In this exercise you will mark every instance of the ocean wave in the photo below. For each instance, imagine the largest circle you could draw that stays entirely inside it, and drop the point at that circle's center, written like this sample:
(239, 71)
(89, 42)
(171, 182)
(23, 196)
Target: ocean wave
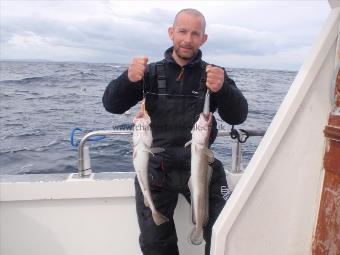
(26, 168)
(5, 95)
(29, 98)
(14, 151)
(14, 125)
(26, 80)
(47, 147)
(25, 134)
(40, 148)
(59, 78)
(87, 73)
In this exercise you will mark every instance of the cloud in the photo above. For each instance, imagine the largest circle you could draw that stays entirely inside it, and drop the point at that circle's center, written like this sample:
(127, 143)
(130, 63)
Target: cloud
(116, 31)
(245, 41)
(154, 16)
(240, 40)
(290, 59)
(108, 35)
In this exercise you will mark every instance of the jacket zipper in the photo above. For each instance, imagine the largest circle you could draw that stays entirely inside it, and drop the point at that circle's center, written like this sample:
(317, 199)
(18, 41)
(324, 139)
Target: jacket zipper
(179, 78)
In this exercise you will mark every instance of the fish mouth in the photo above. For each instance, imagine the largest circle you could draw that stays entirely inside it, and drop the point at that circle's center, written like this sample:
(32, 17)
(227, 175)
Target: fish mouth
(139, 116)
(207, 117)
(142, 114)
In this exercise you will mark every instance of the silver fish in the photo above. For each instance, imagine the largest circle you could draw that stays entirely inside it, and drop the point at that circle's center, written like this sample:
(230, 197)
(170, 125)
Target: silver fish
(142, 141)
(201, 173)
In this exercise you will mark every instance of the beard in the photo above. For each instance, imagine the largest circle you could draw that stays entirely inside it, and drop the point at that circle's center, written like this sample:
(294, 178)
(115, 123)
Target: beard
(185, 55)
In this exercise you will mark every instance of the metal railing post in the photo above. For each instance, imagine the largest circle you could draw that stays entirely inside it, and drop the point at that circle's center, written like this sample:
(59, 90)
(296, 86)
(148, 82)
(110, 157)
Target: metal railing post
(84, 159)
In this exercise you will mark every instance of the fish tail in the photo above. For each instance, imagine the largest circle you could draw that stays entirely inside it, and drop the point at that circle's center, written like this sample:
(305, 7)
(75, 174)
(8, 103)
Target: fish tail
(146, 203)
(159, 218)
(196, 236)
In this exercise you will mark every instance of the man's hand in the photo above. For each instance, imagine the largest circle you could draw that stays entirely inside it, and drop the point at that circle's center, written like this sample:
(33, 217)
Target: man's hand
(137, 68)
(215, 78)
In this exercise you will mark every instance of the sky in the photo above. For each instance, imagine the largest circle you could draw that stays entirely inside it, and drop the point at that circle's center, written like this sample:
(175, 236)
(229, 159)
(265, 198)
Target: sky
(244, 34)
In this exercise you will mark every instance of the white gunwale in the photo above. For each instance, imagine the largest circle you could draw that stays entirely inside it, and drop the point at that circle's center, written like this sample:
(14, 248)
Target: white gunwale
(276, 130)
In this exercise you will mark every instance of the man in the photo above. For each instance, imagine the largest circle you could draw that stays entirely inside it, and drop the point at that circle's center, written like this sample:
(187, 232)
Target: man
(174, 90)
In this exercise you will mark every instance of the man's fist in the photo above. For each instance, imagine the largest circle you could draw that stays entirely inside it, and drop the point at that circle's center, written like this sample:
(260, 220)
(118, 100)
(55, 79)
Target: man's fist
(137, 68)
(215, 78)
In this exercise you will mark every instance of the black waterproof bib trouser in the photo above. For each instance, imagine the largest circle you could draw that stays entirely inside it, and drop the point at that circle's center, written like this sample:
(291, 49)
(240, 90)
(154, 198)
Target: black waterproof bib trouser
(172, 118)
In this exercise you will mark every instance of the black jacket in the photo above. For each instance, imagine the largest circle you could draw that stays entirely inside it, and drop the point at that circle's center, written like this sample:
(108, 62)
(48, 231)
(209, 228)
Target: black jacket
(121, 94)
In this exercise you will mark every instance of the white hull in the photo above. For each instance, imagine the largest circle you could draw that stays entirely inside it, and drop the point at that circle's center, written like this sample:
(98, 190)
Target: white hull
(274, 207)
(72, 216)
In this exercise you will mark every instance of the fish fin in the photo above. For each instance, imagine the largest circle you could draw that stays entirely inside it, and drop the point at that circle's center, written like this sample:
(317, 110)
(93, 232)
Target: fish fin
(206, 215)
(146, 203)
(193, 216)
(196, 236)
(159, 218)
(189, 183)
(210, 155)
(134, 154)
(209, 173)
(149, 151)
(188, 143)
(155, 150)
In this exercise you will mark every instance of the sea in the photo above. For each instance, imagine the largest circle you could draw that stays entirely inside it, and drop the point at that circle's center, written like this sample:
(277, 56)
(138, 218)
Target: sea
(41, 103)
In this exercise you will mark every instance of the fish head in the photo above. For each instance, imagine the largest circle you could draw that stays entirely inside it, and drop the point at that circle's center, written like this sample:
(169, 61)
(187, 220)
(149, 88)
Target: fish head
(201, 130)
(142, 130)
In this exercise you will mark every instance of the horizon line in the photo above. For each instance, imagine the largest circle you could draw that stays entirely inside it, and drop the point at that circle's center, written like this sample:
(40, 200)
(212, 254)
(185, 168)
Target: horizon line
(94, 62)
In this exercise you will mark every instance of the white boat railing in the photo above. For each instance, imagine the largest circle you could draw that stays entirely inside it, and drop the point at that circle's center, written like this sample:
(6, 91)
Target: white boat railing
(84, 158)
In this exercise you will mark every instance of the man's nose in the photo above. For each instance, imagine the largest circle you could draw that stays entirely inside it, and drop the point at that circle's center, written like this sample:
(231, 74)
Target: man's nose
(188, 38)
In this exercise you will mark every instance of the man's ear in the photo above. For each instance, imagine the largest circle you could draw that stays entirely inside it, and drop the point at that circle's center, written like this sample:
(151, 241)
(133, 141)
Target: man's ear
(205, 38)
(171, 33)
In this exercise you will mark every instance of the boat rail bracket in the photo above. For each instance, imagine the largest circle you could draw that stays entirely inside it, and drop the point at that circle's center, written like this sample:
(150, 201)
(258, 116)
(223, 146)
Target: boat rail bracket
(84, 159)
(241, 136)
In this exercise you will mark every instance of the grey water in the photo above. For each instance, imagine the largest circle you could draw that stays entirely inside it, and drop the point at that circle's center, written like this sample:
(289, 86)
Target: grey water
(41, 102)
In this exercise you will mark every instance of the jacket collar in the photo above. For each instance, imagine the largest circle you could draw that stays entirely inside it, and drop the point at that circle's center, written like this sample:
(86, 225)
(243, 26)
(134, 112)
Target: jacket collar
(194, 61)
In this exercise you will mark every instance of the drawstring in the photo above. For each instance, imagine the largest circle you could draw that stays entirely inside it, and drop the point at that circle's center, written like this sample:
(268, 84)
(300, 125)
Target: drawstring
(179, 77)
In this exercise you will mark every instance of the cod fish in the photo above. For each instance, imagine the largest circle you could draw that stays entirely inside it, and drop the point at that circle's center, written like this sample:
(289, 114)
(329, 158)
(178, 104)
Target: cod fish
(142, 140)
(201, 172)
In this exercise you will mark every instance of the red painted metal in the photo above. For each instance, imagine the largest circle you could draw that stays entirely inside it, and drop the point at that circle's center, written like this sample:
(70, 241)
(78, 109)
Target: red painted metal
(327, 235)
(327, 239)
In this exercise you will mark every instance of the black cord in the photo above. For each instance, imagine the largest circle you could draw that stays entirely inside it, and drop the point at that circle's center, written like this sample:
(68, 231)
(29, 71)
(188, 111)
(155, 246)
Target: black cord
(234, 134)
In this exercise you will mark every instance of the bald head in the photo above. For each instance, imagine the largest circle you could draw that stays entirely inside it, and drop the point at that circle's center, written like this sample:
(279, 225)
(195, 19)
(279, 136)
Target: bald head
(188, 35)
(192, 12)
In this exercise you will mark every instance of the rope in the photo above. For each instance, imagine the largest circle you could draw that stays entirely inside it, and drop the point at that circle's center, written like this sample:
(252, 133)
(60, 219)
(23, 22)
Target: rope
(75, 143)
(241, 138)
